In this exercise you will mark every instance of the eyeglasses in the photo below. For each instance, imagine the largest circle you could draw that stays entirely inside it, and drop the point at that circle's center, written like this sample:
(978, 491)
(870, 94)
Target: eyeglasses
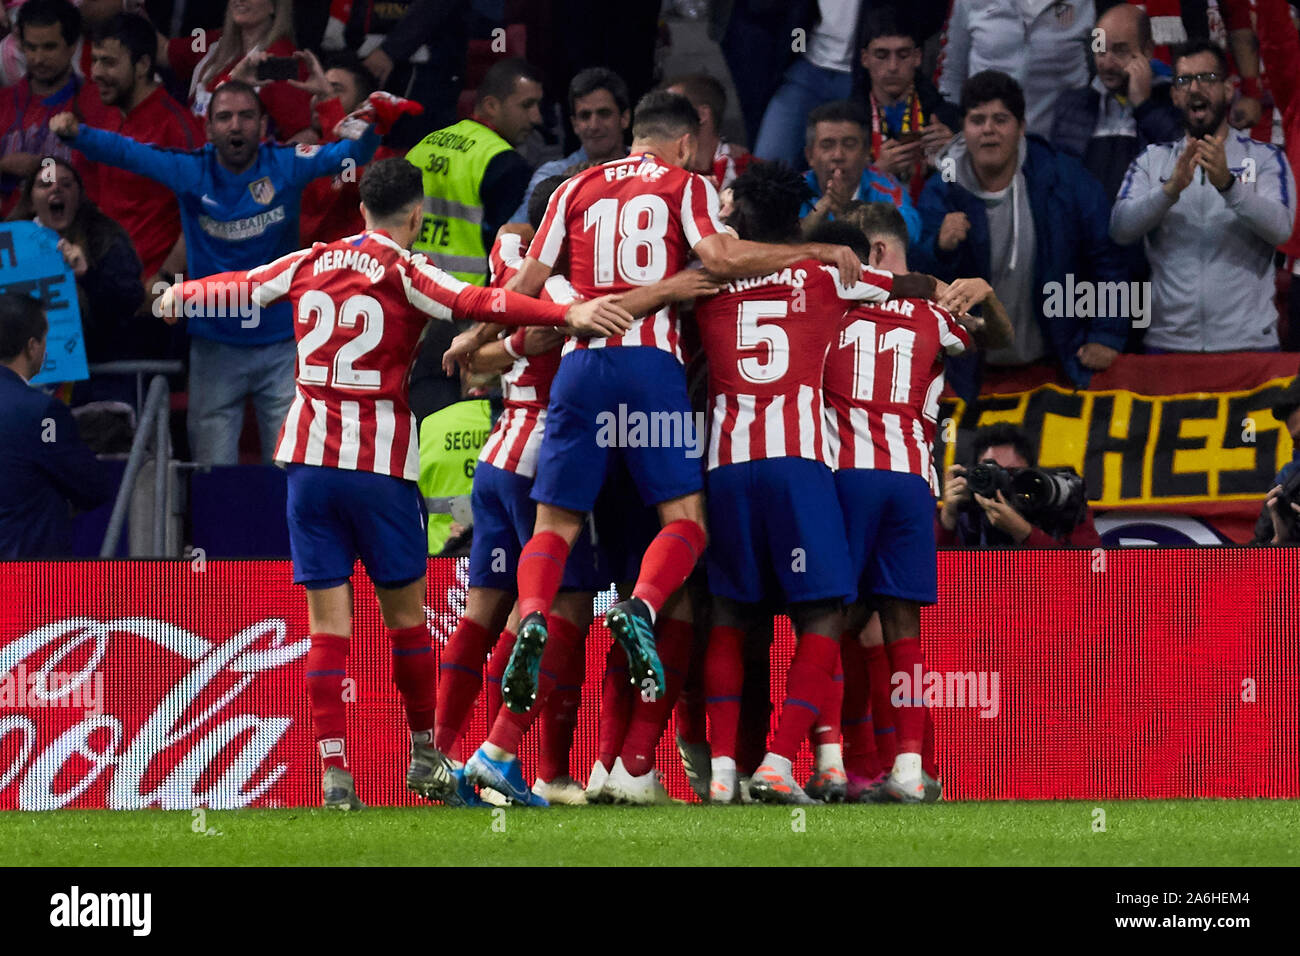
(1205, 79)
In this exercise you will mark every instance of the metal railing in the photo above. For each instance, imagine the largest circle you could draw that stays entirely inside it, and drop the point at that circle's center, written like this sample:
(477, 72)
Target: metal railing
(154, 427)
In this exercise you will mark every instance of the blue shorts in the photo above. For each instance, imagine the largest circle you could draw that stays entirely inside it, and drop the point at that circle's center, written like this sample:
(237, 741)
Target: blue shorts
(336, 516)
(775, 531)
(611, 404)
(889, 516)
(503, 522)
(624, 526)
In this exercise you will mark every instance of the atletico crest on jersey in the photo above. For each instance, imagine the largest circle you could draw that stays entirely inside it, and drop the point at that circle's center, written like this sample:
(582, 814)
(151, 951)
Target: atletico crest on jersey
(262, 190)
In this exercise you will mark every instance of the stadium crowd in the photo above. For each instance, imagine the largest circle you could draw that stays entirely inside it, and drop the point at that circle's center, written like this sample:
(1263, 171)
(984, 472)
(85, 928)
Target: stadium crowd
(974, 156)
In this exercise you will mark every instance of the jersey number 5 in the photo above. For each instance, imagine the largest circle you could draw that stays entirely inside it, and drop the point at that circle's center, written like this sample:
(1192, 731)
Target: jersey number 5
(751, 335)
(315, 308)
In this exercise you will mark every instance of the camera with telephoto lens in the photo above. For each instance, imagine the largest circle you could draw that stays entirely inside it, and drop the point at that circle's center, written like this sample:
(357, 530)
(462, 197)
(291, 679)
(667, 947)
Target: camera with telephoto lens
(1054, 500)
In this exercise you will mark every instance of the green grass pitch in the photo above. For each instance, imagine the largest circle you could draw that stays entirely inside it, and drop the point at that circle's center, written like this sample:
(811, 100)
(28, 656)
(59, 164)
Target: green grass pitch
(1138, 833)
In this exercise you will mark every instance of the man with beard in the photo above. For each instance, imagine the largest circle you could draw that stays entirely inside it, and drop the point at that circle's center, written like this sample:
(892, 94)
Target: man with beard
(239, 199)
(124, 98)
(48, 31)
(1212, 208)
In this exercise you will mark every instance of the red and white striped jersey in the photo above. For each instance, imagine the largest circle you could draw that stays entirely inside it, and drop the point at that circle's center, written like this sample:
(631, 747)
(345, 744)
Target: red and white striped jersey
(628, 223)
(360, 306)
(766, 340)
(882, 383)
(526, 385)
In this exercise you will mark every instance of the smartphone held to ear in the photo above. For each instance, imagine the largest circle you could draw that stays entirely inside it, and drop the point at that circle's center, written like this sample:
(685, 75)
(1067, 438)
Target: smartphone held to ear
(278, 68)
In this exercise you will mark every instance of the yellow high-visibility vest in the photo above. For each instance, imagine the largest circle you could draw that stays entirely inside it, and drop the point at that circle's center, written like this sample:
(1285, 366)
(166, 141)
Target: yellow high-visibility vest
(453, 161)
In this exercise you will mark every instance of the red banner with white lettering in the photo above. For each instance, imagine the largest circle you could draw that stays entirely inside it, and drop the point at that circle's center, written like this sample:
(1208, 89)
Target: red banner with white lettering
(1052, 675)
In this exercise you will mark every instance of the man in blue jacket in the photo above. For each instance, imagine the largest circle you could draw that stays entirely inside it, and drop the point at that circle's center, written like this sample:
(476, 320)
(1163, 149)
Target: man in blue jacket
(839, 154)
(239, 200)
(1034, 223)
(44, 466)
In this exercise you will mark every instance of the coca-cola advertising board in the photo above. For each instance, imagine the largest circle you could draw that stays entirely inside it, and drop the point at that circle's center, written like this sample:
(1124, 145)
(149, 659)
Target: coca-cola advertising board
(174, 685)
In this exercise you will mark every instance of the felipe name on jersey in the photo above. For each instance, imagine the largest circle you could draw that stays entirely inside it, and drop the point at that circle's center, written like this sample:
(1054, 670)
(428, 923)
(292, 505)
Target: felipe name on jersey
(647, 170)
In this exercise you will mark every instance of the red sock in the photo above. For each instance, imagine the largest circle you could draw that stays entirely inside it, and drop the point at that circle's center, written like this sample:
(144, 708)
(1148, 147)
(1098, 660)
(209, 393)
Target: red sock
(905, 657)
(724, 678)
(560, 713)
(541, 568)
(691, 712)
(415, 675)
(562, 641)
(806, 687)
(327, 660)
(496, 669)
(615, 706)
(460, 677)
(929, 759)
(826, 728)
(673, 640)
(860, 757)
(755, 700)
(882, 711)
(668, 561)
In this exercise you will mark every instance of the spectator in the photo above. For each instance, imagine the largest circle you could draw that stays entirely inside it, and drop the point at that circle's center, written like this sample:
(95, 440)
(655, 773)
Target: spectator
(49, 31)
(1039, 43)
(250, 26)
(1280, 49)
(1174, 22)
(331, 206)
(824, 72)
(716, 160)
(13, 61)
(239, 200)
(600, 113)
(1212, 208)
(838, 153)
(473, 178)
(1273, 526)
(107, 271)
(124, 98)
(44, 466)
(970, 521)
(414, 48)
(910, 121)
(1022, 216)
(1126, 108)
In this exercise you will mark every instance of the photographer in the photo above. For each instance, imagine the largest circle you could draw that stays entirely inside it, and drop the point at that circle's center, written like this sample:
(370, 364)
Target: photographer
(973, 520)
(1273, 526)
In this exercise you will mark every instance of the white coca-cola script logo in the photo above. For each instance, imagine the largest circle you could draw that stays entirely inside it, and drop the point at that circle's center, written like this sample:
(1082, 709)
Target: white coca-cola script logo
(127, 762)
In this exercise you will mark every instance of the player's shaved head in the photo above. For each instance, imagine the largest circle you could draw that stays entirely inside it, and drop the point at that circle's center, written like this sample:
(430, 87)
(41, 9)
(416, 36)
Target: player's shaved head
(879, 220)
(767, 198)
(840, 233)
(390, 187)
(662, 116)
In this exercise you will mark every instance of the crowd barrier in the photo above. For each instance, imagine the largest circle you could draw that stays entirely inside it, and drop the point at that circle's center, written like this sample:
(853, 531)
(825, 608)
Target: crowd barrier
(1053, 675)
